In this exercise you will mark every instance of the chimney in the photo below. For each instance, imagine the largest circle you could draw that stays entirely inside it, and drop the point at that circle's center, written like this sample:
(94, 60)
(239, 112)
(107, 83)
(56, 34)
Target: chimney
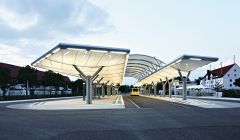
(234, 59)
(221, 68)
(208, 74)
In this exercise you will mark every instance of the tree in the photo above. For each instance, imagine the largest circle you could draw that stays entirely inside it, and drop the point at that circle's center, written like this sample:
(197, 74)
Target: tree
(4, 80)
(53, 80)
(49, 80)
(124, 89)
(197, 81)
(218, 86)
(59, 81)
(77, 86)
(28, 75)
(237, 82)
(180, 79)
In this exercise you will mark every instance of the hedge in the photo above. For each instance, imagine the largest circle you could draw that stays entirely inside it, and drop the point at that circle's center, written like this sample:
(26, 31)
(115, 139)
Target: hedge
(231, 93)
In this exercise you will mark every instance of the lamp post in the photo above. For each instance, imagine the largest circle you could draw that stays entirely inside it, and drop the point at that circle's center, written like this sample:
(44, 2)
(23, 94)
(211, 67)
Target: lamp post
(84, 92)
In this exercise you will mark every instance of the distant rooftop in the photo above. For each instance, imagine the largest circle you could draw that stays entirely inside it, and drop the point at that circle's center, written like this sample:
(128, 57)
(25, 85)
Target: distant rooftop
(14, 70)
(220, 72)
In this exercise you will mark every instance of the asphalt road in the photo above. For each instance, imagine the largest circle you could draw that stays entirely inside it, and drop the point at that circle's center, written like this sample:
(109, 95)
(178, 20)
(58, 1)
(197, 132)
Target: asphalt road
(144, 119)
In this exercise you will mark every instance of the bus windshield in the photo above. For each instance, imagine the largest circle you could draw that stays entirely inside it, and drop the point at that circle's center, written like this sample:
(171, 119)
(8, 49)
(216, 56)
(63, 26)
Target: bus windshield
(135, 89)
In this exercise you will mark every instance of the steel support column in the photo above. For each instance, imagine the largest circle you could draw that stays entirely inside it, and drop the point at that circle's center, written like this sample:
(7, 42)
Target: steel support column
(103, 90)
(98, 88)
(108, 90)
(149, 89)
(154, 88)
(184, 80)
(89, 89)
(89, 82)
(164, 87)
(94, 90)
(111, 89)
(145, 90)
(169, 88)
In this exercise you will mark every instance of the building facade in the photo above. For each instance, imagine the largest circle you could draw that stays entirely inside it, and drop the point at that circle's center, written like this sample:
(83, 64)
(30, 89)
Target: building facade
(223, 77)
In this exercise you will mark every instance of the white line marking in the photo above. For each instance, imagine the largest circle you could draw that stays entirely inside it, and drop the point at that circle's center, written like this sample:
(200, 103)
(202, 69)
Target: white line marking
(123, 103)
(176, 104)
(29, 100)
(169, 102)
(118, 98)
(134, 103)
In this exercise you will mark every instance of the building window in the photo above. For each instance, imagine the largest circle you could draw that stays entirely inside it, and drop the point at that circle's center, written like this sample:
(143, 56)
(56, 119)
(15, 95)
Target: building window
(230, 85)
(235, 70)
(235, 75)
(230, 80)
(228, 75)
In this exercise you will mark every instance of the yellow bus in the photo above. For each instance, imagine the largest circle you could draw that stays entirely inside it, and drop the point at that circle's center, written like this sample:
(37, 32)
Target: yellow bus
(135, 92)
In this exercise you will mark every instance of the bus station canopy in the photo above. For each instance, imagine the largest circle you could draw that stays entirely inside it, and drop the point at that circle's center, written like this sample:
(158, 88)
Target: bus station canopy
(68, 59)
(140, 66)
(182, 65)
(110, 65)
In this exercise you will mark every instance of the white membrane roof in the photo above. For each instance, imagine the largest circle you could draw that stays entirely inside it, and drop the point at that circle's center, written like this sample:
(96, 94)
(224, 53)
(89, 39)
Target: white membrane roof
(140, 66)
(88, 59)
(185, 64)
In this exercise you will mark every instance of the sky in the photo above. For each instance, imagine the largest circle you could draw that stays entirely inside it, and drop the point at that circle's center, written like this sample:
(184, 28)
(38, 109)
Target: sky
(165, 29)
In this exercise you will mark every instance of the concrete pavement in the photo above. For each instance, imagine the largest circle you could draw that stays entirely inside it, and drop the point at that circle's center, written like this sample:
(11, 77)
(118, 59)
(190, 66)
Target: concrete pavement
(199, 103)
(154, 120)
(111, 102)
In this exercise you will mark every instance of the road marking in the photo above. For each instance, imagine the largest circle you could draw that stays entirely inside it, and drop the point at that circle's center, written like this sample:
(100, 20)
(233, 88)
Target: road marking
(134, 103)
(29, 100)
(168, 102)
(116, 102)
(171, 103)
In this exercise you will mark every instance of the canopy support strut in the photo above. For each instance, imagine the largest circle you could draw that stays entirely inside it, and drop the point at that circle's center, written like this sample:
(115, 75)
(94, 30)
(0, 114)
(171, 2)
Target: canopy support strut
(184, 80)
(89, 80)
(97, 89)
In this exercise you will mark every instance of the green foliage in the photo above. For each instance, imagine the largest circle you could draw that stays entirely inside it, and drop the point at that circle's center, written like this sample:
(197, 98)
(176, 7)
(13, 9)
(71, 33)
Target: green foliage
(237, 82)
(218, 86)
(180, 79)
(4, 76)
(50, 78)
(4, 79)
(197, 81)
(53, 79)
(29, 74)
(124, 89)
(77, 86)
(231, 93)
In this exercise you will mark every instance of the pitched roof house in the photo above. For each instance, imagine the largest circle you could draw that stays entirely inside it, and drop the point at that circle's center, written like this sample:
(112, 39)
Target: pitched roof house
(224, 76)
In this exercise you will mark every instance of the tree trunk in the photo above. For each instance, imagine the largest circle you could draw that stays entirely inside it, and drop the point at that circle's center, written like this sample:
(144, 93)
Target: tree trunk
(3, 93)
(44, 91)
(50, 91)
(77, 91)
(56, 91)
(27, 89)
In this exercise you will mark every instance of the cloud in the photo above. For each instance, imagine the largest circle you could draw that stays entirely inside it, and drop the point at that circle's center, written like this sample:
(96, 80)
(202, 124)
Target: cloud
(13, 55)
(15, 21)
(28, 25)
(43, 19)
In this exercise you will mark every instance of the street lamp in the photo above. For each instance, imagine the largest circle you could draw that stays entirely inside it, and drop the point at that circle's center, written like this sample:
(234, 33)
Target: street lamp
(84, 92)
